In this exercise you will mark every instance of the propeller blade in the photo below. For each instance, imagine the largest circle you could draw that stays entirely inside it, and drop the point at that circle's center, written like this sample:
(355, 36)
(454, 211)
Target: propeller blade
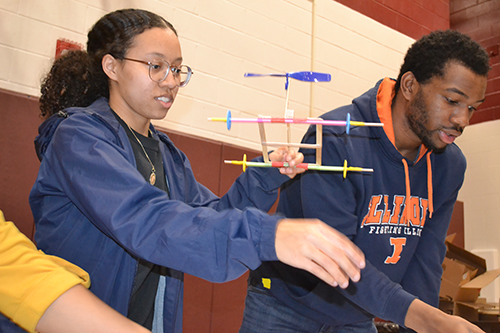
(301, 76)
(254, 74)
(310, 76)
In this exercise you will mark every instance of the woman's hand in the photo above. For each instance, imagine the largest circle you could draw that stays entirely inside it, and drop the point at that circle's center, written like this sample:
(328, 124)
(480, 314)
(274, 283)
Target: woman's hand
(289, 156)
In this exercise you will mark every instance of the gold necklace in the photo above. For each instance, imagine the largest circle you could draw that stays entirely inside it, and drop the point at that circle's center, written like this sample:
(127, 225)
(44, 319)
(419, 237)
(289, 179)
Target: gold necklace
(152, 176)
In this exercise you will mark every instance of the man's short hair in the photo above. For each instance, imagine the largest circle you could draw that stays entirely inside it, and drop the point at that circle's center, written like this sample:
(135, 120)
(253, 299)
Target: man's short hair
(428, 56)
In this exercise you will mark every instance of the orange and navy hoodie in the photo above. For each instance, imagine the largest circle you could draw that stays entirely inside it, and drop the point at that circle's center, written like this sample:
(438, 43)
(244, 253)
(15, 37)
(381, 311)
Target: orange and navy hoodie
(398, 215)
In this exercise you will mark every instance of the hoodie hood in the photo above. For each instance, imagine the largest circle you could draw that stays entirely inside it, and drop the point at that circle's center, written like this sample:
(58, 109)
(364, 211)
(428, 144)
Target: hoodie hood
(385, 95)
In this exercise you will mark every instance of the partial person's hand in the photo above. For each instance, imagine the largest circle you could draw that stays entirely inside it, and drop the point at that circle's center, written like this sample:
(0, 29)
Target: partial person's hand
(424, 318)
(289, 156)
(312, 245)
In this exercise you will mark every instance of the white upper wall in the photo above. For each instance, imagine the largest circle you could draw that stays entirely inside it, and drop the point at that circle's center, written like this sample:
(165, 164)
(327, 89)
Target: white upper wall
(480, 193)
(221, 40)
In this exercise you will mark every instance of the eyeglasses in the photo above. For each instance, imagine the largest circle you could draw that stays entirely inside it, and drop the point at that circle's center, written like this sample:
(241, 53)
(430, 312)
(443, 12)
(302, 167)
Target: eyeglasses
(159, 69)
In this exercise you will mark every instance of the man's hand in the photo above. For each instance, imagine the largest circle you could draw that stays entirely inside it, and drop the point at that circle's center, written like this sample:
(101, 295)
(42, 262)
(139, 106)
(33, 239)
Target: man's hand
(312, 245)
(423, 318)
(289, 156)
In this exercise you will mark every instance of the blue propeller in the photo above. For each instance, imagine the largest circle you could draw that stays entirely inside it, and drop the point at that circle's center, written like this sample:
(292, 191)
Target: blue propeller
(301, 76)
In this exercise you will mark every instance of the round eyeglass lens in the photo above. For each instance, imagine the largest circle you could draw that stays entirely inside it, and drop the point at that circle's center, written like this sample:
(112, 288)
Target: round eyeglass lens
(158, 70)
(184, 73)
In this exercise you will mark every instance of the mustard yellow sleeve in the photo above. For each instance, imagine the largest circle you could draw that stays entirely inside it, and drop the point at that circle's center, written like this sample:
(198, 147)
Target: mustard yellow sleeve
(30, 280)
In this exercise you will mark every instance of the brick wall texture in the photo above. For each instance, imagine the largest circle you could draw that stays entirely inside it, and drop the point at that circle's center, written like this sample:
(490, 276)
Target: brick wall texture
(414, 18)
(481, 20)
(477, 18)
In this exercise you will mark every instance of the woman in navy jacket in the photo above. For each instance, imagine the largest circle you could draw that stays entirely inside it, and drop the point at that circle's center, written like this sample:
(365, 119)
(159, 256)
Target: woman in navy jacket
(116, 197)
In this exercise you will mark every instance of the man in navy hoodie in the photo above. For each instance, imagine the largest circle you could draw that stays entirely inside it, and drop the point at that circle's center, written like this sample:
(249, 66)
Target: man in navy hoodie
(399, 215)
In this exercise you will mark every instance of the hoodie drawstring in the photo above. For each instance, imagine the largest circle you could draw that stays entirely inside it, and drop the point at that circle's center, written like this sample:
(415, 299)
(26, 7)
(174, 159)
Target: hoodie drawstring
(408, 189)
(429, 186)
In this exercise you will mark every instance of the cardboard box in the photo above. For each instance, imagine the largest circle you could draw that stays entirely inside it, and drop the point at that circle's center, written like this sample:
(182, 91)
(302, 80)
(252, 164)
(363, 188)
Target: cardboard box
(454, 273)
(464, 275)
(470, 290)
(491, 314)
(460, 267)
(477, 311)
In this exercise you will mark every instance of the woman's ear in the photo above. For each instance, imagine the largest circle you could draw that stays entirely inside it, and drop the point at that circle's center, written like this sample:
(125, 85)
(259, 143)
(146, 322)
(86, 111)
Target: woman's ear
(409, 85)
(109, 66)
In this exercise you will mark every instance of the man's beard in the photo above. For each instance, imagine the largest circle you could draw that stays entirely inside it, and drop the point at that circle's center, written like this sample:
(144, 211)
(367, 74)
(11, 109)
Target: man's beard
(418, 118)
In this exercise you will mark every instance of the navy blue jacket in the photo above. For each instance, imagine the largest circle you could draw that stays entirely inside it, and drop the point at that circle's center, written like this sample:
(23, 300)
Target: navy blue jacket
(93, 208)
(404, 252)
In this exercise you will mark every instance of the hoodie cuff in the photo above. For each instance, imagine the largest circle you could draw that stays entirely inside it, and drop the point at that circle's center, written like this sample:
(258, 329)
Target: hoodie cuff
(397, 306)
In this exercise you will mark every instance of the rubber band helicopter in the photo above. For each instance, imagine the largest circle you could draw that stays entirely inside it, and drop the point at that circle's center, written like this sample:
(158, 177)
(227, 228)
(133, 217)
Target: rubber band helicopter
(288, 119)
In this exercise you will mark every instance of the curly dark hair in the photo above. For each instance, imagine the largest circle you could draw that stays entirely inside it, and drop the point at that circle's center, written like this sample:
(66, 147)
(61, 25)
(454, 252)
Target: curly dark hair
(428, 56)
(72, 81)
(77, 78)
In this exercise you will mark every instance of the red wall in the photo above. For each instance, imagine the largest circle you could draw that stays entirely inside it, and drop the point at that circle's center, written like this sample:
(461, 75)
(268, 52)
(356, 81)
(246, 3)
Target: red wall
(19, 120)
(480, 19)
(414, 18)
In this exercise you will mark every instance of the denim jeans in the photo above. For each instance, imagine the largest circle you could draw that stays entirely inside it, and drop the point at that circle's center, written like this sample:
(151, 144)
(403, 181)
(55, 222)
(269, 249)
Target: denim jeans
(265, 314)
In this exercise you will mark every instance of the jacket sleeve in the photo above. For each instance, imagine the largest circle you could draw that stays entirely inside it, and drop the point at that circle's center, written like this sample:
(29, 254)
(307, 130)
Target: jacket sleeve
(256, 187)
(31, 281)
(95, 171)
